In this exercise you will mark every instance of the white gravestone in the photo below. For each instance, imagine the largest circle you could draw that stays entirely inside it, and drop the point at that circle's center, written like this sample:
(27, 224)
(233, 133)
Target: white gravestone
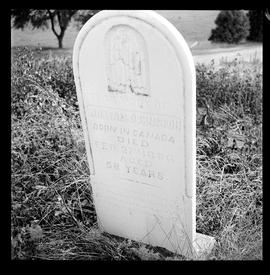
(135, 81)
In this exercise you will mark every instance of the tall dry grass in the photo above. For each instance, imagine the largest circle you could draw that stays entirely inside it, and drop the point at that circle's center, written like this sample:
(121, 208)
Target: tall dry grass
(53, 216)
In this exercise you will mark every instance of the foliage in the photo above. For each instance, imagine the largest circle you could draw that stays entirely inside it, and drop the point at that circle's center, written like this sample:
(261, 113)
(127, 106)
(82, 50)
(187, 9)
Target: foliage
(39, 19)
(229, 160)
(234, 85)
(49, 71)
(232, 27)
(49, 167)
(229, 185)
(256, 25)
(53, 215)
(83, 16)
(24, 243)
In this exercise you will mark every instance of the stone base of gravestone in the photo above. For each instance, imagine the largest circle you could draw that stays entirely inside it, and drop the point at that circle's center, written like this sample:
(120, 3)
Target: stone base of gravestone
(203, 245)
(127, 213)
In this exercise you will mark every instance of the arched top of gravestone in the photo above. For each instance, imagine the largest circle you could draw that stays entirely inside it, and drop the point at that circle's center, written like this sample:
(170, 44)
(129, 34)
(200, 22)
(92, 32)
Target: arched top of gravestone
(150, 17)
(140, 60)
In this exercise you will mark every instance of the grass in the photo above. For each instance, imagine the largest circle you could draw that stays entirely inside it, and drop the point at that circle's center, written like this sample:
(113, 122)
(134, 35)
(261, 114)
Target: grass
(186, 21)
(230, 197)
(53, 216)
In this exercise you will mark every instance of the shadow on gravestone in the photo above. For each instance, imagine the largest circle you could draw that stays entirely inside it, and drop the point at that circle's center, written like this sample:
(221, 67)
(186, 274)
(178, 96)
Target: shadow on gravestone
(136, 87)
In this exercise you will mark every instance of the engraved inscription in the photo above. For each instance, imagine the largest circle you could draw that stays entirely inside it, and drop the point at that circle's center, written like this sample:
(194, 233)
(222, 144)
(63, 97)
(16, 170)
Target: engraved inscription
(126, 61)
(140, 119)
(132, 144)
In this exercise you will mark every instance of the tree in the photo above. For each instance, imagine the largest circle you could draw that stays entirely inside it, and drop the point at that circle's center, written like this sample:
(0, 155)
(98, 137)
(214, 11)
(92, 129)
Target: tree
(83, 16)
(256, 25)
(232, 27)
(58, 19)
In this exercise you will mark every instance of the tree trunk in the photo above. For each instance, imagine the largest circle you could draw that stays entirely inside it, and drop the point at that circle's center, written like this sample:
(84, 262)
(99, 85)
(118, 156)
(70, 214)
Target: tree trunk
(62, 28)
(60, 41)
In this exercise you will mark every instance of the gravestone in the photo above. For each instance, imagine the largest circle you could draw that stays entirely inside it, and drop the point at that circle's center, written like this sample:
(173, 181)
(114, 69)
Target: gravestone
(135, 81)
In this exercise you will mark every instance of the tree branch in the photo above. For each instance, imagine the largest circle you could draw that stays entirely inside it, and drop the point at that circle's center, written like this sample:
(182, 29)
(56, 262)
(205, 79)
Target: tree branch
(51, 15)
(60, 20)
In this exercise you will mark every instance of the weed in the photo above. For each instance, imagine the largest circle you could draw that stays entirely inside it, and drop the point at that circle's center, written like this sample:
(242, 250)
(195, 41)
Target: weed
(53, 215)
(235, 86)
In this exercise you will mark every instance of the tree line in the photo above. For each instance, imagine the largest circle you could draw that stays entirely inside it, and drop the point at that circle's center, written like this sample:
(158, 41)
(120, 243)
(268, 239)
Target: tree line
(233, 26)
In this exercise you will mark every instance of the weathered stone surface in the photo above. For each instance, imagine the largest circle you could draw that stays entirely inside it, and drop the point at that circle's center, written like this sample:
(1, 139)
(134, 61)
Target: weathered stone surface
(135, 81)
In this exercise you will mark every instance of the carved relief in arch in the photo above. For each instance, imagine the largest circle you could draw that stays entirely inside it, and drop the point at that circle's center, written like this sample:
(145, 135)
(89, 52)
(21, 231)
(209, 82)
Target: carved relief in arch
(127, 64)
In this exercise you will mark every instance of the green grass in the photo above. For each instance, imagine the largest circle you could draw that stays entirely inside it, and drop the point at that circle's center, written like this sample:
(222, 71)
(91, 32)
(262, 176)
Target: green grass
(53, 216)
